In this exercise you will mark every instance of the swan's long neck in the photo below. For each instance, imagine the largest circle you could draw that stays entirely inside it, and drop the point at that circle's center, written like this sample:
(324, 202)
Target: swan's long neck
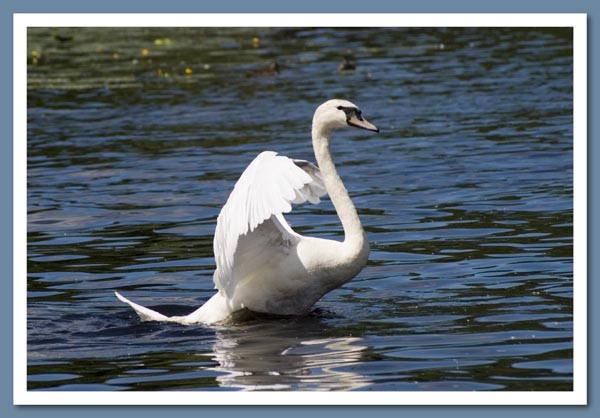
(354, 235)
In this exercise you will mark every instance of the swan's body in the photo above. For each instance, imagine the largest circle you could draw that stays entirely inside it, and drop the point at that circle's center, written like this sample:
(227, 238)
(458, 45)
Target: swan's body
(262, 264)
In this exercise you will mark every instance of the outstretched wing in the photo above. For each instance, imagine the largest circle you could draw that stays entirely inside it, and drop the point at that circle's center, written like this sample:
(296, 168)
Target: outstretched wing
(254, 211)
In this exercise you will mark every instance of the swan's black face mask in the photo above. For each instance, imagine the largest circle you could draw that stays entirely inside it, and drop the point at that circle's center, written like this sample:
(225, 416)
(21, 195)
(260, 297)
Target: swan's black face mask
(354, 118)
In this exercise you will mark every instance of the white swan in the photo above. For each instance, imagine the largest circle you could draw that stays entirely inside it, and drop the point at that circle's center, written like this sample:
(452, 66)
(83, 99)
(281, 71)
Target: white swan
(262, 264)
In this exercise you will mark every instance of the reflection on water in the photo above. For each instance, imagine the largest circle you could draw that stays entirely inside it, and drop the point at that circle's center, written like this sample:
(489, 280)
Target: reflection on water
(134, 143)
(275, 358)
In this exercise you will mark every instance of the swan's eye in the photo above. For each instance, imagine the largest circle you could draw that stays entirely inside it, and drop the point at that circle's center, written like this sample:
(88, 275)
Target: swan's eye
(351, 112)
(348, 110)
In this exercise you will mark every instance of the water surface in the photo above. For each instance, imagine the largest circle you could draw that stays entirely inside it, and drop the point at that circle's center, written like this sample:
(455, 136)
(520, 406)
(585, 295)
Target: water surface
(136, 137)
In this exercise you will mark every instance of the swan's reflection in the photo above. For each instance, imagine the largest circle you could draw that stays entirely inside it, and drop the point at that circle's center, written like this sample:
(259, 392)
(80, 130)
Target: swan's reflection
(286, 354)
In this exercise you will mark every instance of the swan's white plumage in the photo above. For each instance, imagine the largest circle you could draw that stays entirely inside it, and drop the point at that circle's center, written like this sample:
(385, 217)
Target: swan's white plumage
(262, 264)
(264, 192)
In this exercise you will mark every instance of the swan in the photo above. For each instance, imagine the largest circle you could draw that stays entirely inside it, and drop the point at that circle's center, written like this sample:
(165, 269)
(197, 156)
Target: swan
(262, 264)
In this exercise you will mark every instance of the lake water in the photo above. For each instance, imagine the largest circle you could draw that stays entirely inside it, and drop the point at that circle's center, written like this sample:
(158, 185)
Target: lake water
(137, 136)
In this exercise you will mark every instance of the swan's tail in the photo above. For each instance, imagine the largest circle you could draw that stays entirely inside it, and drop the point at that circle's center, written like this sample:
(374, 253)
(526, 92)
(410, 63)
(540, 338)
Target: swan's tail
(214, 310)
(144, 313)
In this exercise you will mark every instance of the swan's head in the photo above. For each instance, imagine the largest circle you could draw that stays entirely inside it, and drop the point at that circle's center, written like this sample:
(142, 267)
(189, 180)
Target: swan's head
(338, 113)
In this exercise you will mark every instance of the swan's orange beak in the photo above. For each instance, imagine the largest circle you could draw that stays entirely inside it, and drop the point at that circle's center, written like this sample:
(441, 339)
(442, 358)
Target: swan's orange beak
(359, 122)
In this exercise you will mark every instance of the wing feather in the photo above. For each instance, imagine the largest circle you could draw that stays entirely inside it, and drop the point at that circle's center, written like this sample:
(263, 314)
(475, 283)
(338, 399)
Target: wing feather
(265, 190)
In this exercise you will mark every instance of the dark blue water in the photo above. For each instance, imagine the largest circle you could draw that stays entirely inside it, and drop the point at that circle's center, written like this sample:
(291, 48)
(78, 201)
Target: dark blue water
(134, 143)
